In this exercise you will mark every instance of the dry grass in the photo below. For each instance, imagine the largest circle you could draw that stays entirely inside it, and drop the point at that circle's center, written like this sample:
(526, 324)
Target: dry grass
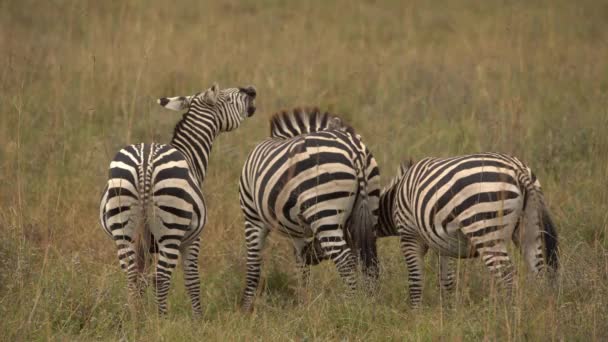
(78, 81)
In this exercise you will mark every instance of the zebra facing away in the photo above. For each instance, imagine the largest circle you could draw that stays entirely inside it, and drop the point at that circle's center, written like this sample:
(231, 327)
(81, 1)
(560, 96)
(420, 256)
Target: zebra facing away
(468, 206)
(312, 180)
(152, 202)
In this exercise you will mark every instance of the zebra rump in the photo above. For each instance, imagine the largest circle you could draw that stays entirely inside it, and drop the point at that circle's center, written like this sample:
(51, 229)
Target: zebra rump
(314, 181)
(360, 238)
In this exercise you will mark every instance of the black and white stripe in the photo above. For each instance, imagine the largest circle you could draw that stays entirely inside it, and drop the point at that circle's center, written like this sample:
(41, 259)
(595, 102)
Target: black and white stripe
(152, 203)
(468, 206)
(312, 180)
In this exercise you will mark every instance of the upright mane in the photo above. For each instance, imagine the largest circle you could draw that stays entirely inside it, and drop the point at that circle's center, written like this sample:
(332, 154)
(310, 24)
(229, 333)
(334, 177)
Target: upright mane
(290, 123)
(403, 167)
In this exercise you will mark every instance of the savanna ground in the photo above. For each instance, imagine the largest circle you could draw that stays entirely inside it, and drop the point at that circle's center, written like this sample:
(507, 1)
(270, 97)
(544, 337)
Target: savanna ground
(79, 80)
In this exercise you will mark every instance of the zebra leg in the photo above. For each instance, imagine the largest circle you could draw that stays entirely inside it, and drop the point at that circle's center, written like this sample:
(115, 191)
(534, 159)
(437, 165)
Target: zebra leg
(302, 267)
(303, 270)
(127, 259)
(334, 247)
(496, 258)
(167, 259)
(191, 276)
(446, 270)
(255, 236)
(413, 251)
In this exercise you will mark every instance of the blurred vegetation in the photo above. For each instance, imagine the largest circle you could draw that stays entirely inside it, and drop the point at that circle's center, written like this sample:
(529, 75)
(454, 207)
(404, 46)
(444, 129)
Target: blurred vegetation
(79, 79)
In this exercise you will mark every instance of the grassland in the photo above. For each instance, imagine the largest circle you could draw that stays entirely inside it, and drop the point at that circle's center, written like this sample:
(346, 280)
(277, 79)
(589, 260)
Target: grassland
(78, 80)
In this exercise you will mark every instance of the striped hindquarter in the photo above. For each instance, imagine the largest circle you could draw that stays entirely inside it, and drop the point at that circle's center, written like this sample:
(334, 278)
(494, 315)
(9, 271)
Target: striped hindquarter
(468, 206)
(309, 187)
(152, 205)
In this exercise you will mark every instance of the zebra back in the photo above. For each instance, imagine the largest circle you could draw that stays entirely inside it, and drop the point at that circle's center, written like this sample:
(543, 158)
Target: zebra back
(291, 123)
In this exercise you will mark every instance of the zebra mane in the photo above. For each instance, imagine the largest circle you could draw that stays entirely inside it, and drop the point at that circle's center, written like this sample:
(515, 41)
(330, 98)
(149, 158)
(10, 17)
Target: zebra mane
(290, 123)
(396, 178)
(403, 167)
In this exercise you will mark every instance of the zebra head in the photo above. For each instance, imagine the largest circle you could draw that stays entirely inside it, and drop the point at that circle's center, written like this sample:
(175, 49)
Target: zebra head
(228, 107)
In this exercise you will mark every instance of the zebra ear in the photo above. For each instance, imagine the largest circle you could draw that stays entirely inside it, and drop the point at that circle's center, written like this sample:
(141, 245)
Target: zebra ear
(335, 123)
(212, 94)
(404, 166)
(175, 103)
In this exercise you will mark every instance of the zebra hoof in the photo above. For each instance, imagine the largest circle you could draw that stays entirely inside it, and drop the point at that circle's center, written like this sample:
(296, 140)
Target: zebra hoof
(416, 306)
(246, 306)
(247, 310)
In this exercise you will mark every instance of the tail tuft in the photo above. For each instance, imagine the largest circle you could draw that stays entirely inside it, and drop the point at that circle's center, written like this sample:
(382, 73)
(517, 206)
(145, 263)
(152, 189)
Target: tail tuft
(363, 237)
(539, 233)
(141, 244)
(549, 235)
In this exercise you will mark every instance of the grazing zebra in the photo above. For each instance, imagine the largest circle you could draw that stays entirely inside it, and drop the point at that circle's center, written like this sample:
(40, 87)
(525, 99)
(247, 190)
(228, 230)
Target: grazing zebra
(313, 179)
(153, 203)
(468, 206)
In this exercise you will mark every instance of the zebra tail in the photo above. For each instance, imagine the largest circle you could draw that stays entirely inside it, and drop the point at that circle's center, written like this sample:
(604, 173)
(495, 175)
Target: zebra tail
(361, 229)
(538, 221)
(141, 241)
(143, 237)
(550, 240)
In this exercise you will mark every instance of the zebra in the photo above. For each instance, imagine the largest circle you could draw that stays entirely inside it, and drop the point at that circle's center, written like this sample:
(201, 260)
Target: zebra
(313, 179)
(468, 206)
(152, 202)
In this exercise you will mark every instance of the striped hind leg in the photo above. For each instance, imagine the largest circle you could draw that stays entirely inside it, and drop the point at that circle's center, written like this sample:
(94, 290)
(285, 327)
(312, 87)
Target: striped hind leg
(119, 220)
(414, 250)
(446, 271)
(495, 256)
(333, 244)
(301, 252)
(303, 270)
(255, 237)
(168, 254)
(191, 275)
(127, 257)
(122, 226)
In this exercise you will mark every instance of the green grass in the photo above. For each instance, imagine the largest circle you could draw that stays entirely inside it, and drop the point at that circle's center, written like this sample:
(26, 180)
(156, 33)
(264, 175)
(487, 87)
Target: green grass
(79, 79)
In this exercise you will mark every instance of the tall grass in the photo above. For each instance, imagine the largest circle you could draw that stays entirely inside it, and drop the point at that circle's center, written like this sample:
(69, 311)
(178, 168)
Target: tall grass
(78, 80)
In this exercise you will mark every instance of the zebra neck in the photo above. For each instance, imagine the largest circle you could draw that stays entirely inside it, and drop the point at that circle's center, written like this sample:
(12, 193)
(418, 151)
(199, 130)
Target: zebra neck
(193, 137)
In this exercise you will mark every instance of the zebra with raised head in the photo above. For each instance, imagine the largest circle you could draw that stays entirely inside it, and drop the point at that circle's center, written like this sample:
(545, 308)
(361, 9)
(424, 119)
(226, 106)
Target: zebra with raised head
(312, 180)
(152, 202)
(468, 206)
